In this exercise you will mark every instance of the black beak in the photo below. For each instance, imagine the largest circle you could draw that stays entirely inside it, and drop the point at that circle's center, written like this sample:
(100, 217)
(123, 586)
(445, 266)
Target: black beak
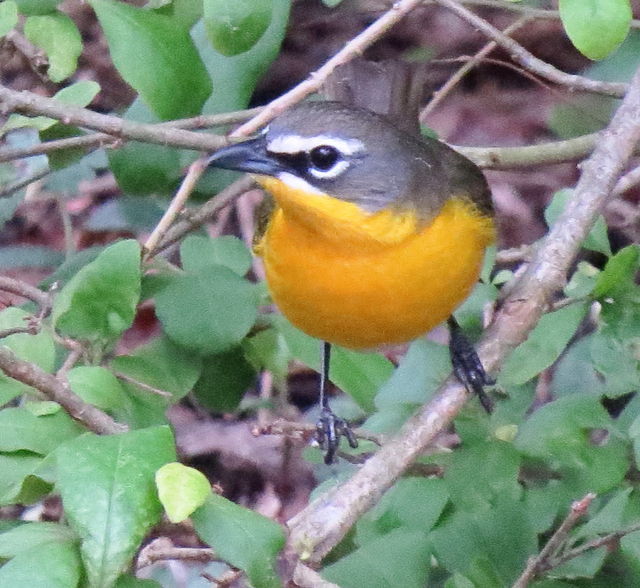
(249, 156)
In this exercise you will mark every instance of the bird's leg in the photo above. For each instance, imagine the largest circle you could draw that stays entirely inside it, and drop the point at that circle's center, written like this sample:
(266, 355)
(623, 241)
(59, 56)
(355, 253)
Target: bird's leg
(467, 365)
(330, 428)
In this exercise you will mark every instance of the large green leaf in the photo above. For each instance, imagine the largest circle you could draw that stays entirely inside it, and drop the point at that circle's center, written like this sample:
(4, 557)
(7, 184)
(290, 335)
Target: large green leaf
(53, 565)
(596, 27)
(559, 434)
(156, 56)
(99, 302)
(98, 386)
(235, 27)
(198, 252)
(29, 535)
(399, 558)
(544, 345)
(107, 485)
(224, 380)
(20, 429)
(209, 312)
(242, 537)
(60, 39)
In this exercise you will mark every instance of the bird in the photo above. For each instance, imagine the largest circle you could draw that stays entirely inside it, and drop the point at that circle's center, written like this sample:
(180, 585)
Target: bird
(374, 236)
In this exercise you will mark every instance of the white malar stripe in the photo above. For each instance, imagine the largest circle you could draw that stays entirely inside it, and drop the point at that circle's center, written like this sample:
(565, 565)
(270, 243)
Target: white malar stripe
(298, 144)
(298, 183)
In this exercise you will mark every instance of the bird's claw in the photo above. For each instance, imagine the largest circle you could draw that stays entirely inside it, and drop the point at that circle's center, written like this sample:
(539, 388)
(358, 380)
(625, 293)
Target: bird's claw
(469, 369)
(329, 430)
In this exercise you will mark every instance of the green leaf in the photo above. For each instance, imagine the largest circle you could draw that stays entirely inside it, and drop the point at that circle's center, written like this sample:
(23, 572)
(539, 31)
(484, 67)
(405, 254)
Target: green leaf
(235, 27)
(558, 433)
(544, 345)
(60, 39)
(29, 7)
(224, 380)
(109, 497)
(209, 312)
(411, 504)
(29, 535)
(38, 349)
(156, 57)
(399, 558)
(99, 302)
(423, 368)
(161, 364)
(235, 77)
(358, 374)
(181, 490)
(619, 273)
(596, 27)
(244, 538)
(8, 16)
(490, 546)
(18, 482)
(597, 239)
(143, 168)
(20, 429)
(197, 253)
(497, 477)
(98, 386)
(54, 565)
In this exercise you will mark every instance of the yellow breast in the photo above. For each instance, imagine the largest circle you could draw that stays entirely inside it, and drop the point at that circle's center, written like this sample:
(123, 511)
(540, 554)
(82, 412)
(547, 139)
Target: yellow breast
(363, 280)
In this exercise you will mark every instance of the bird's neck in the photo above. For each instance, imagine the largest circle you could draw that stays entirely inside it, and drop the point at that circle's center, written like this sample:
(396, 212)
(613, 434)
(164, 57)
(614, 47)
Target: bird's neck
(339, 220)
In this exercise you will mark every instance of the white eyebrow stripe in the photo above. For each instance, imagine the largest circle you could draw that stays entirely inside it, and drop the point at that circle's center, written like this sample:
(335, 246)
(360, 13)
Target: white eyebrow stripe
(298, 144)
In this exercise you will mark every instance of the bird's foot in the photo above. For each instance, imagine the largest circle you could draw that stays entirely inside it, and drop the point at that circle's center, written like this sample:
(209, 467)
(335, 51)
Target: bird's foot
(467, 366)
(329, 430)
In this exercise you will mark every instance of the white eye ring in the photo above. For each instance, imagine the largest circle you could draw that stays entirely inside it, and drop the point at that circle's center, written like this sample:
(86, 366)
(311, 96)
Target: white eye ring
(339, 167)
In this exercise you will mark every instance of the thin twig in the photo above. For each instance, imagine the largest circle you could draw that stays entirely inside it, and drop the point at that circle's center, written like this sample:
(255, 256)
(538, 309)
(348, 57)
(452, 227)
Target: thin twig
(162, 549)
(529, 61)
(163, 134)
(608, 539)
(314, 82)
(178, 202)
(578, 509)
(96, 140)
(19, 288)
(324, 522)
(201, 215)
(54, 389)
(142, 385)
(440, 94)
(9, 189)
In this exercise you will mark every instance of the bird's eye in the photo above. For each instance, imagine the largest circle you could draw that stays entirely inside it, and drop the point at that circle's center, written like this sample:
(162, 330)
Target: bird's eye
(324, 157)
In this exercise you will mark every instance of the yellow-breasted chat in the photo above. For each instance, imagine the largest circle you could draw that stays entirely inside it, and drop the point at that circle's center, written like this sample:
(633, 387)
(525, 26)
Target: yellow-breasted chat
(376, 235)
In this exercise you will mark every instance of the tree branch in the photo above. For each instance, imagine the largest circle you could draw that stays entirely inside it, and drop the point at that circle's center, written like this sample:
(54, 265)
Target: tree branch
(529, 61)
(28, 373)
(324, 522)
(578, 509)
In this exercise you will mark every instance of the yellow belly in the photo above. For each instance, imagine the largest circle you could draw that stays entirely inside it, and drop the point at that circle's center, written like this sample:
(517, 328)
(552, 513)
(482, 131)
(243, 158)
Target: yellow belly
(363, 290)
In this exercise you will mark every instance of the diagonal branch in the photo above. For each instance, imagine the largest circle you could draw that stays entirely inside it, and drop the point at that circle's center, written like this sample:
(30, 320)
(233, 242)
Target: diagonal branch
(54, 389)
(530, 61)
(320, 526)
